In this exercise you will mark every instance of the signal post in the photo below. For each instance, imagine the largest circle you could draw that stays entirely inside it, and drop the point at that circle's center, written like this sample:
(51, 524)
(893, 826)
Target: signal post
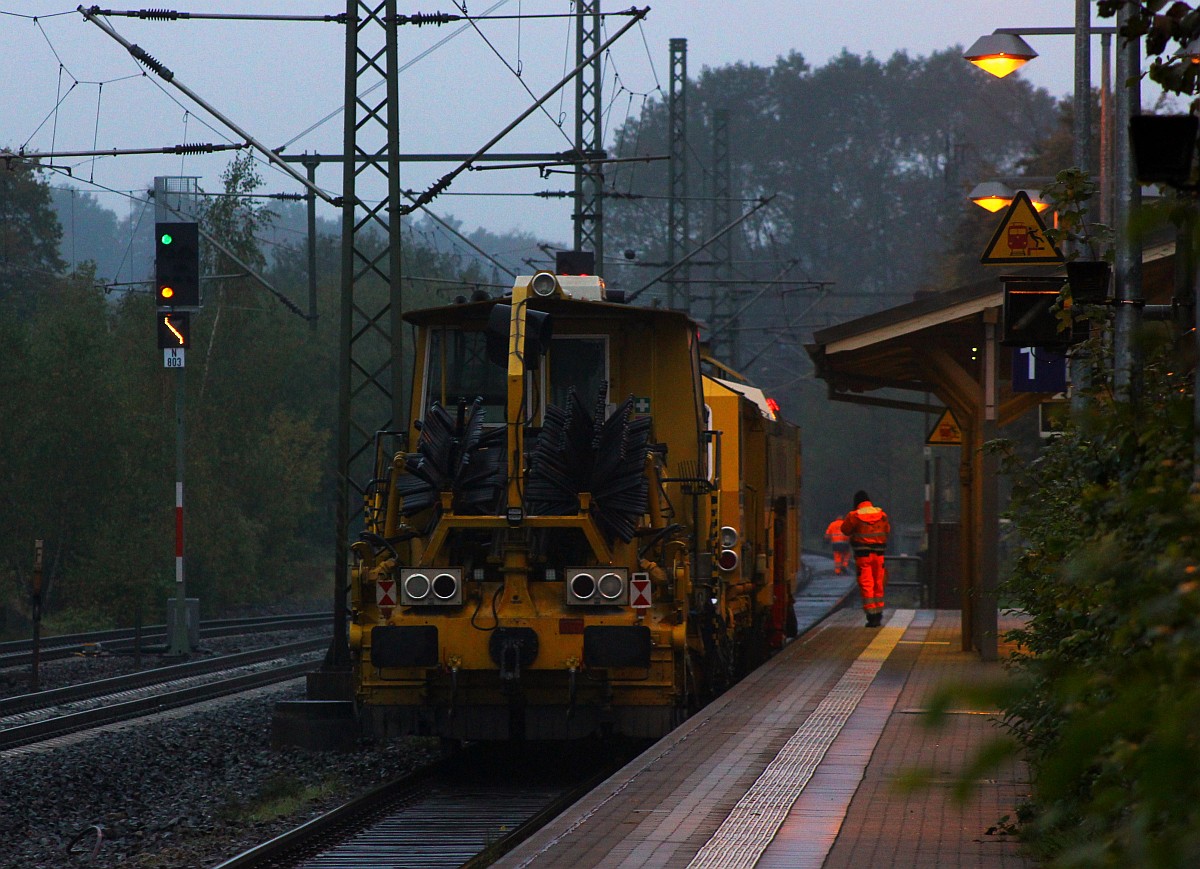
(177, 294)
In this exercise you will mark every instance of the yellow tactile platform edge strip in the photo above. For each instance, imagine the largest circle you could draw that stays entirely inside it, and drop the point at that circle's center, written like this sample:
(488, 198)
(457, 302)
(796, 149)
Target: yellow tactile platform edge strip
(743, 837)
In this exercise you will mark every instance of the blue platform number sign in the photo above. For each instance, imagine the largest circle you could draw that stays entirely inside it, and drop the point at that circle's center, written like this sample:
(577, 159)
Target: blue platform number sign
(1038, 369)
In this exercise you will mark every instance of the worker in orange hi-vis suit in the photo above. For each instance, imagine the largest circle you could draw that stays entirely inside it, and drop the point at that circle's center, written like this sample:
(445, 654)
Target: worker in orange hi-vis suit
(868, 529)
(840, 543)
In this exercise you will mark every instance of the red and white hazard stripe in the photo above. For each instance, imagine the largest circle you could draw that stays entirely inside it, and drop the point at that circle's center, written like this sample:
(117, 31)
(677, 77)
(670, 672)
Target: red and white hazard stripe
(179, 532)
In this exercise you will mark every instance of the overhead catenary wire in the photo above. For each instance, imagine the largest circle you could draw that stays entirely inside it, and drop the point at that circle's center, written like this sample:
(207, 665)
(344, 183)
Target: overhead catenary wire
(163, 72)
(341, 109)
(172, 15)
(182, 149)
(763, 202)
(445, 181)
(466, 240)
(609, 65)
(167, 15)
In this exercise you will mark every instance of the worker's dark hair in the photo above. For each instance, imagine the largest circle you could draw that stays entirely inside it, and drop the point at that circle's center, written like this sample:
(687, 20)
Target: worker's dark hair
(859, 497)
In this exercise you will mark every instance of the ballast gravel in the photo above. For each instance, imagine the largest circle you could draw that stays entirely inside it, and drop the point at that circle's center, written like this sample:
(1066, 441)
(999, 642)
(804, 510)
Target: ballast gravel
(179, 792)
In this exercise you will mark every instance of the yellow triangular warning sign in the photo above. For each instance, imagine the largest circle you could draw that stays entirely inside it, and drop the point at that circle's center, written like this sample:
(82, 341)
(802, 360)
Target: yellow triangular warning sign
(1020, 238)
(946, 432)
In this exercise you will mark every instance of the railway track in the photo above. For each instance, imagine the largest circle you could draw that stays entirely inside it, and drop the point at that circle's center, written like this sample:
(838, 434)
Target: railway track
(466, 810)
(43, 715)
(19, 653)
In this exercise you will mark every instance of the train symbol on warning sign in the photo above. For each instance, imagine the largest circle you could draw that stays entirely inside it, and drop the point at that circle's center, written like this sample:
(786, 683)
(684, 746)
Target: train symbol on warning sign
(1021, 237)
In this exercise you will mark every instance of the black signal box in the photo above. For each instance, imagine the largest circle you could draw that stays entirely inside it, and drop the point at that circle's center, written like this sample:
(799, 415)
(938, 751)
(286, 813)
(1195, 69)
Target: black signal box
(574, 262)
(177, 265)
(174, 330)
(1029, 320)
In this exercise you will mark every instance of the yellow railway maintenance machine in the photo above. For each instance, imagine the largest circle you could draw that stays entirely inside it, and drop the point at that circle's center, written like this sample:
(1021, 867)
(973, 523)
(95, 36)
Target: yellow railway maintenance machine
(583, 534)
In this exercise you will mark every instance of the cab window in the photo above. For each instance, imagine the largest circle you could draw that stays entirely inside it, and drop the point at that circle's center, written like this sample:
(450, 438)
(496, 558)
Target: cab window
(579, 361)
(458, 368)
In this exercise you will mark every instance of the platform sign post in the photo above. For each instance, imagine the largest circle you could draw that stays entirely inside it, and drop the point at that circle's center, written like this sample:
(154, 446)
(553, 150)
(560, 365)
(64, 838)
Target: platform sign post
(180, 640)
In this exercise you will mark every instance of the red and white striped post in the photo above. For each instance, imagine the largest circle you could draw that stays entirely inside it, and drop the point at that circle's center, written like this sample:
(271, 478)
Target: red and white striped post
(180, 641)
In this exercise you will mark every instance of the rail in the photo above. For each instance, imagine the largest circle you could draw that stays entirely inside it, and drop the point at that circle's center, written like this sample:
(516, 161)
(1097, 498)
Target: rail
(18, 653)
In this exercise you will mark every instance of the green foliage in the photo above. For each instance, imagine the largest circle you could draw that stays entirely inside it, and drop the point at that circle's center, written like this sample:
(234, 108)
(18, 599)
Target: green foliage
(1168, 27)
(1110, 657)
(280, 796)
(88, 430)
(1070, 194)
(29, 236)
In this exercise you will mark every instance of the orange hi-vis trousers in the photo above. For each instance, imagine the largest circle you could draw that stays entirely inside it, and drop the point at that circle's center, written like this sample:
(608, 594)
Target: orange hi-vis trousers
(871, 579)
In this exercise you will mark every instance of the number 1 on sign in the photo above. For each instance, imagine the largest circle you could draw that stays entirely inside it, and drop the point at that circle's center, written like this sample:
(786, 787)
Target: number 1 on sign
(1032, 359)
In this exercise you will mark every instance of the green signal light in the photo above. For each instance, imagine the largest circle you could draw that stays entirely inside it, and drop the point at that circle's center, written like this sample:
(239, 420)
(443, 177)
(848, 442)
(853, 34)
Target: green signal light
(166, 238)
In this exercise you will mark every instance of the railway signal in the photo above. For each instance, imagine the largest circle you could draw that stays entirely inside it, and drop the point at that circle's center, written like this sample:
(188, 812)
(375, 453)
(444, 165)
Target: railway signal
(574, 262)
(174, 330)
(177, 265)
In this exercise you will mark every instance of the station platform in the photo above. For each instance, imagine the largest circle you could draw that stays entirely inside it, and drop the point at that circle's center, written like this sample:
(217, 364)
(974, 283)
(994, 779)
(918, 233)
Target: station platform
(801, 763)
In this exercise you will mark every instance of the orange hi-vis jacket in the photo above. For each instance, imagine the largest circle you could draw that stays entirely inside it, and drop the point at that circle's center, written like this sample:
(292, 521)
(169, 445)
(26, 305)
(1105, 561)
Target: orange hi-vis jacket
(834, 532)
(867, 527)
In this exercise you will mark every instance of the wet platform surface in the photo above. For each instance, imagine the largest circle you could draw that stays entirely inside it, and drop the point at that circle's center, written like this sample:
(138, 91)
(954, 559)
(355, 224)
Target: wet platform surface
(801, 763)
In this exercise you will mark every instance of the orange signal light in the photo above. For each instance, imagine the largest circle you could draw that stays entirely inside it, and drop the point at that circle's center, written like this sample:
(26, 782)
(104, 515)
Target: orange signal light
(166, 292)
(171, 326)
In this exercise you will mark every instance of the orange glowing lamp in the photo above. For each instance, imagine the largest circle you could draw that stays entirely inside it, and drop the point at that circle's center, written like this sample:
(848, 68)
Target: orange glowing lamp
(992, 195)
(1000, 53)
(1036, 201)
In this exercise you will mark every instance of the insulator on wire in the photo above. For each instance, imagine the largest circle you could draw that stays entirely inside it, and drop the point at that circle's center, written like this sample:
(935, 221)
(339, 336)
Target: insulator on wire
(423, 18)
(161, 15)
(143, 56)
(193, 148)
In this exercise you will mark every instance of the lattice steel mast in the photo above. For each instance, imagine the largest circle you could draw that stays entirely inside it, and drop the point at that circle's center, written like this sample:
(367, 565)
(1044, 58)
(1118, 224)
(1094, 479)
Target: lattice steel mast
(370, 381)
(721, 306)
(678, 292)
(589, 137)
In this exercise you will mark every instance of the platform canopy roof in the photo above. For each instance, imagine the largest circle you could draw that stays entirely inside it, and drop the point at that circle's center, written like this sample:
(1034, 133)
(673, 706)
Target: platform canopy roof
(907, 347)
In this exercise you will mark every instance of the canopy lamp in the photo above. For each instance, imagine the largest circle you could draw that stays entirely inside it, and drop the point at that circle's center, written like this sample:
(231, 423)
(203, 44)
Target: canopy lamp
(991, 195)
(1000, 53)
(1190, 52)
(1035, 199)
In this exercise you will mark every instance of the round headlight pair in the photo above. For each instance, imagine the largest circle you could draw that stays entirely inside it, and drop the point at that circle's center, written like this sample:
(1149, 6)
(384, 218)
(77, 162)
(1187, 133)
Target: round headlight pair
(418, 586)
(727, 558)
(609, 586)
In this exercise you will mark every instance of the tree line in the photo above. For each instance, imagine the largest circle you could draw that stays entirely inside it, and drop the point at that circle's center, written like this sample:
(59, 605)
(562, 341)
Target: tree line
(89, 434)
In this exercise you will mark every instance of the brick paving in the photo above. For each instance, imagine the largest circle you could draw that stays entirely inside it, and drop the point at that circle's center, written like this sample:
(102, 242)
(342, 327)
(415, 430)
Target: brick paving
(887, 825)
(663, 807)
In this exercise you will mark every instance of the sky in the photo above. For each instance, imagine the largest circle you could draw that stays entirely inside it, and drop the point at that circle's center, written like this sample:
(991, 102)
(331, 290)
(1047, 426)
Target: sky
(66, 85)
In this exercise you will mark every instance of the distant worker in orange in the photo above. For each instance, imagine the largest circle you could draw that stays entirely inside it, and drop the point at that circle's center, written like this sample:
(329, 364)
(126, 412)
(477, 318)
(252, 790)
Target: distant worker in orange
(868, 528)
(840, 543)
